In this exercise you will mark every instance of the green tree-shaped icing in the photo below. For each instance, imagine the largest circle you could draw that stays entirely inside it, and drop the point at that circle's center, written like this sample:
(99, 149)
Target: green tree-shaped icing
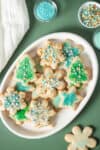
(78, 74)
(25, 71)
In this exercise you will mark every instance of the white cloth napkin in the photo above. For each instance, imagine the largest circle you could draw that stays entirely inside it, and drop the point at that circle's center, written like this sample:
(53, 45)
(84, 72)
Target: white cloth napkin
(14, 23)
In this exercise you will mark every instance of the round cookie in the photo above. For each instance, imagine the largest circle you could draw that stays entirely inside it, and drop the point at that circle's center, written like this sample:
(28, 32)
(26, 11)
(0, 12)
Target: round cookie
(41, 113)
(80, 139)
(67, 99)
(12, 101)
(48, 85)
(77, 74)
(51, 55)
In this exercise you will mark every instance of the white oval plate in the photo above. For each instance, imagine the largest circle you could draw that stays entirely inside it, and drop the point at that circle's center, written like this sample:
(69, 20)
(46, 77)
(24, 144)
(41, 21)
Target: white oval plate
(64, 117)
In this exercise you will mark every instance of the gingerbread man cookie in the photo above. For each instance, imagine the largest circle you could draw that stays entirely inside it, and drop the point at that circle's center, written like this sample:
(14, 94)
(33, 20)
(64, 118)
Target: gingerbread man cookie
(48, 85)
(67, 99)
(12, 101)
(51, 55)
(41, 113)
(80, 140)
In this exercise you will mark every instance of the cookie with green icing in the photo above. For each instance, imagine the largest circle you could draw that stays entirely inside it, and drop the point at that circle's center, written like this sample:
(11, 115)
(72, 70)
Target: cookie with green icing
(12, 101)
(77, 74)
(41, 113)
(25, 70)
(51, 55)
(70, 51)
(20, 116)
(67, 99)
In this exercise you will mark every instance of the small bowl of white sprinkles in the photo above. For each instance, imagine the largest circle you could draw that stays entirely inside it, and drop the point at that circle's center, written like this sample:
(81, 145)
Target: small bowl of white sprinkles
(89, 14)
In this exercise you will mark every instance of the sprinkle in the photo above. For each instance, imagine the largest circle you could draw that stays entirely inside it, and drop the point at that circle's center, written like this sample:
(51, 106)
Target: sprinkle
(45, 10)
(90, 16)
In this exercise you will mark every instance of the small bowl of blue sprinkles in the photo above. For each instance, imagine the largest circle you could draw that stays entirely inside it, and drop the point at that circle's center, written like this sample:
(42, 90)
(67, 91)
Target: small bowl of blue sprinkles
(45, 10)
(89, 14)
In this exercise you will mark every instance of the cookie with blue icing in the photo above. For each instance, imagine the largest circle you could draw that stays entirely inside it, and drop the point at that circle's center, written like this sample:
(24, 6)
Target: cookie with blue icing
(77, 74)
(51, 55)
(12, 101)
(41, 113)
(70, 51)
(25, 70)
(66, 99)
(49, 83)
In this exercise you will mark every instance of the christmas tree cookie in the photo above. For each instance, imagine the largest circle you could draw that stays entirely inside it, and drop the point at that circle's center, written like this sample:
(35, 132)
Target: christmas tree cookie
(77, 74)
(25, 70)
(70, 51)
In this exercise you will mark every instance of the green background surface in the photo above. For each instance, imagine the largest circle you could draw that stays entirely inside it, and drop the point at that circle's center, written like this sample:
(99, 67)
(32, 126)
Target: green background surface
(66, 21)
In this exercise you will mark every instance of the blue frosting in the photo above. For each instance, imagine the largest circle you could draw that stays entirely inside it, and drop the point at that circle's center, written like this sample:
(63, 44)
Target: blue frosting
(69, 53)
(22, 87)
(65, 99)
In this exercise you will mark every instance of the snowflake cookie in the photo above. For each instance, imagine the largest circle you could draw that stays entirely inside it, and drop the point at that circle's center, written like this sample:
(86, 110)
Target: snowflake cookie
(80, 140)
(12, 101)
(48, 84)
(67, 99)
(77, 74)
(25, 70)
(41, 113)
(51, 55)
(70, 51)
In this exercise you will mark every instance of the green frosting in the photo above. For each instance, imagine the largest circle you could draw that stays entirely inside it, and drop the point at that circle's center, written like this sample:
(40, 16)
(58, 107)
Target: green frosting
(64, 99)
(77, 73)
(20, 115)
(25, 71)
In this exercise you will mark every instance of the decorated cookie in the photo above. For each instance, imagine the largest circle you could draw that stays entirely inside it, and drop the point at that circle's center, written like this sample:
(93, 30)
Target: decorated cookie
(48, 85)
(67, 99)
(80, 140)
(20, 116)
(25, 70)
(12, 101)
(19, 86)
(41, 113)
(70, 51)
(77, 74)
(51, 55)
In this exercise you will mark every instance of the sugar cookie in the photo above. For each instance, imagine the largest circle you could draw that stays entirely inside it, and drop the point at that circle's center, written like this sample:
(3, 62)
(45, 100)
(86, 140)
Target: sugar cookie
(25, 70)
(51, 55)
(49, 83)
(77, 73)
(70, 51)
(12, 101)
(80, 139)
(66, 99)
(41, 113)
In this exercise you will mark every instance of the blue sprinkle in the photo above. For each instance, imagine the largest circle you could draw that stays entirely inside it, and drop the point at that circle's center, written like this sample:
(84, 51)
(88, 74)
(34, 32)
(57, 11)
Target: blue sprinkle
(45, 10)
